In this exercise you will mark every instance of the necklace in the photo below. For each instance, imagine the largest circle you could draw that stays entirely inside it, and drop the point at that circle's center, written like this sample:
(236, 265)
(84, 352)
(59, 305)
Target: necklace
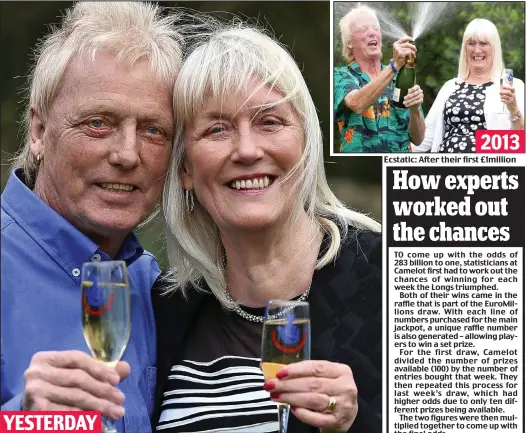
(252, 317)
(261, 319)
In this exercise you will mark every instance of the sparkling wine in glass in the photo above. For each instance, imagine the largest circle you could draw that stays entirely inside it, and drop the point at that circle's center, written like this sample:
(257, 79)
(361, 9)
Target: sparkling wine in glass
(506, 78)
(286, 339)
(106, 313)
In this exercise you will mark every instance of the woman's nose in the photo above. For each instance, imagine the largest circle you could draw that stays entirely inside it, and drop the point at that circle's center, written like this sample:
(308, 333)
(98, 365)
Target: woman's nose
(247, 148)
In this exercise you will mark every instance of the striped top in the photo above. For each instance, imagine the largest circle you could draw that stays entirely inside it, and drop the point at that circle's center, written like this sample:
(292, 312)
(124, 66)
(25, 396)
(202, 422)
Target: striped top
(217, 386)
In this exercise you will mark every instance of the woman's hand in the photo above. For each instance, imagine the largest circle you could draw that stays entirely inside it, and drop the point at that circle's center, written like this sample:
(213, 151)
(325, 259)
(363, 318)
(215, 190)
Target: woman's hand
(507, 96)
(308, 387)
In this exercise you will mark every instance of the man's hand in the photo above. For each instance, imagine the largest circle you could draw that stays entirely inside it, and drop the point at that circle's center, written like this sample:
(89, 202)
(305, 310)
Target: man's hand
(402, 49)
(414, 97)
(73, 380)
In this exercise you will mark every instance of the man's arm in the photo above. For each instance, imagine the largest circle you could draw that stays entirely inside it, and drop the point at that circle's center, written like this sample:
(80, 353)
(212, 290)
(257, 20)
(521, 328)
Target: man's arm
(417, 125)
(359, 100)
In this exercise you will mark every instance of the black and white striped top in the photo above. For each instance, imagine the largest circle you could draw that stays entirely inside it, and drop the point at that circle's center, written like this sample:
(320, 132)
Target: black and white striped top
(230, 388)
(217, 386)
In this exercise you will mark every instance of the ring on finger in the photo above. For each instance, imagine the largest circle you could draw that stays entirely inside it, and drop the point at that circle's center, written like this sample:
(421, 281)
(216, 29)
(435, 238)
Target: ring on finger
(331, 406)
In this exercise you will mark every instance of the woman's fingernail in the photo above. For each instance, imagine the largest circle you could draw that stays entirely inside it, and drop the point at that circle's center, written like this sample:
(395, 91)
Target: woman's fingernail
(269, 386)
(274, 395)
(282, 374)
(293, 409)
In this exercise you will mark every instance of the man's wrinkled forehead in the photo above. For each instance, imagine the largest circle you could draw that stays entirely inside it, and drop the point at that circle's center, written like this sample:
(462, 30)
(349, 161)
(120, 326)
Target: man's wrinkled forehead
(364, 21)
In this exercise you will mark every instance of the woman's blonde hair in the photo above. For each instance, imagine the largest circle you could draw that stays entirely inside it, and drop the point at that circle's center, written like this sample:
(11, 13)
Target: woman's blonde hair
(346, 22)
(129, 30)
(481, 29)
(222, 65)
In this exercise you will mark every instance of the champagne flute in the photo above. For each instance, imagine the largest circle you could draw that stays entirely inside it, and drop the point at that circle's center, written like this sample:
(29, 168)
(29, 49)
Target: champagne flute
(286, 339)
(506, 77)
(106, 313)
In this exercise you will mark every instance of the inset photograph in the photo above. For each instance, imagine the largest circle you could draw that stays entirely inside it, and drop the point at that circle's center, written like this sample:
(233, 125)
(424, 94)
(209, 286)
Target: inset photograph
(425, 76)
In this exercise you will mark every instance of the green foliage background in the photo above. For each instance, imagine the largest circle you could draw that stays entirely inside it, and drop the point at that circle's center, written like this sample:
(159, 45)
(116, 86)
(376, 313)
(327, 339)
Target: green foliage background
(439, 48)
(302, 26)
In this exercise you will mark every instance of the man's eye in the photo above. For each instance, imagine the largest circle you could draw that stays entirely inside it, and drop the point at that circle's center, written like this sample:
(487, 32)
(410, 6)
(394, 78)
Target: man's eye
(153, 130)
(96, 123)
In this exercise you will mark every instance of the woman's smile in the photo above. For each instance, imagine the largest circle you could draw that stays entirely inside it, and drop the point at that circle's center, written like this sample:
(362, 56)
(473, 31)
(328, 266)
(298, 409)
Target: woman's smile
(248, 143)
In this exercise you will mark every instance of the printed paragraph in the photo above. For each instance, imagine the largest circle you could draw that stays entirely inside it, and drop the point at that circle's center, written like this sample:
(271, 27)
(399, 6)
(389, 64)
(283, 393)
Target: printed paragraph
(455, 339)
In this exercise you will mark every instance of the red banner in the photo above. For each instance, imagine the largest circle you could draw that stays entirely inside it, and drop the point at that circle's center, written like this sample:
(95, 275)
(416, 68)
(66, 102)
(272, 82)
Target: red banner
(499, 141)
(43, 421)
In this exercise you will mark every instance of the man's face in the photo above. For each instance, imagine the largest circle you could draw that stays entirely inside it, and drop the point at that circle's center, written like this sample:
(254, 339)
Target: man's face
(105, 145)
(366, 39)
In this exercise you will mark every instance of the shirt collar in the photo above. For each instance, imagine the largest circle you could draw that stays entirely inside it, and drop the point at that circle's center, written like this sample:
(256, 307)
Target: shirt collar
(65, 243)
(356, 68)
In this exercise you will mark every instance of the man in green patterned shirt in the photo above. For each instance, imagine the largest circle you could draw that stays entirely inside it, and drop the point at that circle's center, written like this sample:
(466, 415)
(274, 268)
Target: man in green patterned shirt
(366, 120)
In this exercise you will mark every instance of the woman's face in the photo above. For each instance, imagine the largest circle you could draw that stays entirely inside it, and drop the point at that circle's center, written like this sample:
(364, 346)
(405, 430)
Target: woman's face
(237, 155)
(480, 56)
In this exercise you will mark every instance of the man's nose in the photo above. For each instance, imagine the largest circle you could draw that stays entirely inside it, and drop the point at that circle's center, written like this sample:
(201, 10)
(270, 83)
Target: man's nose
(126, 149)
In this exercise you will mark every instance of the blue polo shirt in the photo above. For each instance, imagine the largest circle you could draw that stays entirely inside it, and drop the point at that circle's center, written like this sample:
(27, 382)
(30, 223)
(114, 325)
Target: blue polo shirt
(42, 255)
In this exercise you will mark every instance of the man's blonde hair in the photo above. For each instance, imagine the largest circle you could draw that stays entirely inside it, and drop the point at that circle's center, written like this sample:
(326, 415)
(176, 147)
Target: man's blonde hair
(346, 22)
(129, 30)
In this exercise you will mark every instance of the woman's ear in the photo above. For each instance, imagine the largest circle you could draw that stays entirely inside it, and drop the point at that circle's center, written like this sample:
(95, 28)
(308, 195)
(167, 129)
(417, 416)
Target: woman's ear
(186, 176)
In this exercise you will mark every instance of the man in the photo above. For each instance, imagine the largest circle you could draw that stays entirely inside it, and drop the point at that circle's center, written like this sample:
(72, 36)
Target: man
(98, 145)
(362, 90)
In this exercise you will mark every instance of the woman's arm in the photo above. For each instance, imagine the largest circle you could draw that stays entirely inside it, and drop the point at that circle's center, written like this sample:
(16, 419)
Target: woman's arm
(516, 109)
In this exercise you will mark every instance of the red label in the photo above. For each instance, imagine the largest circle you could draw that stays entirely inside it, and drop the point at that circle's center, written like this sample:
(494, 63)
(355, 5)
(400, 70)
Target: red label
(44, 421)
(499, 141)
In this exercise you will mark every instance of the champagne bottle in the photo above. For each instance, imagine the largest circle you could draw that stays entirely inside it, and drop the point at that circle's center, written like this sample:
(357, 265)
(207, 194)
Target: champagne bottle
(405, 79)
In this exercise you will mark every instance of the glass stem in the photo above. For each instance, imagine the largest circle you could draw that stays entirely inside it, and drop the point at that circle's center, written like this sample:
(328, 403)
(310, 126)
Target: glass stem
(108, 425)
(283, 417)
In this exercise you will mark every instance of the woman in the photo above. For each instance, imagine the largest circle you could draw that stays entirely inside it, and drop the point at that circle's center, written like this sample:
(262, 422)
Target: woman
(250, 217)
(474, 100)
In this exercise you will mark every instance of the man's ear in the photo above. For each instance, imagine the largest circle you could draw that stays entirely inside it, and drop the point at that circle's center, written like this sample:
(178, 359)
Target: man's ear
(36, 133)
(186, 176)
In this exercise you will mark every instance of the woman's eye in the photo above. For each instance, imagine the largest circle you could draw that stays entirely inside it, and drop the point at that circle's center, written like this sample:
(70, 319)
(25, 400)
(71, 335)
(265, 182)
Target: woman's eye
(270, 121)
(217, 129)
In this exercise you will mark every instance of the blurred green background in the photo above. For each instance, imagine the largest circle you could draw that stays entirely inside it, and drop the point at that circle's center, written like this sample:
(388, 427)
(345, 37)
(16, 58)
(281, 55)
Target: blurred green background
(439, 47)
(302, 26)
